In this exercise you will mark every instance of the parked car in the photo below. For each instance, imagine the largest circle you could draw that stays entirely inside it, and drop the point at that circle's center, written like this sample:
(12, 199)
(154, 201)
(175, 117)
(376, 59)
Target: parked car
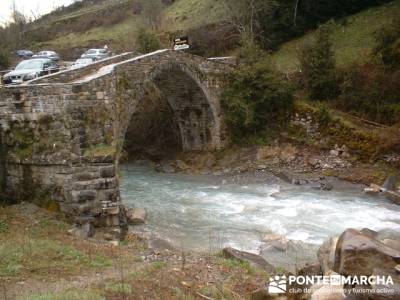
(30, 69)
(96, 54)
(47, 54)
(24, 53)
(82, 62)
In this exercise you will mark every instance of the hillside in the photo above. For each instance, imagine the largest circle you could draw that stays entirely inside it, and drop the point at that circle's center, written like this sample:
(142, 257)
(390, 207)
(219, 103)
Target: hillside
(353, 37)
(116, 23)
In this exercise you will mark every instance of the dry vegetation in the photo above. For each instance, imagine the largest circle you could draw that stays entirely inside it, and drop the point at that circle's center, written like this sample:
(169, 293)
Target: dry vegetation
(39, 260)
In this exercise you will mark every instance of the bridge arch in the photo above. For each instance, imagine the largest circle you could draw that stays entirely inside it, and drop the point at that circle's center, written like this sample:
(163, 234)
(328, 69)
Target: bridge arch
(192, 107)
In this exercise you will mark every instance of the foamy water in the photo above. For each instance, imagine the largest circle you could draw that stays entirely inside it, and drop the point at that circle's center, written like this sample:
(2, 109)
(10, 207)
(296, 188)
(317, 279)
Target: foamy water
(203, 212)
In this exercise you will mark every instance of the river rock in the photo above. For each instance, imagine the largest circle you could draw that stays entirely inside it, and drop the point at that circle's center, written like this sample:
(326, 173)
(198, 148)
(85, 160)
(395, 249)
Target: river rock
(279, 242)
(253, 259)
(181, 165)
(165, 167)
(328, 292)
(371, 233)
(280, 195)
(262, 294)
(373, 189)
(326, 254)
(136, 216)
(326, 186)
(160, 245)
(392, 196)
(390, 183)
(359, 254)
(395, 244)
(311, 269)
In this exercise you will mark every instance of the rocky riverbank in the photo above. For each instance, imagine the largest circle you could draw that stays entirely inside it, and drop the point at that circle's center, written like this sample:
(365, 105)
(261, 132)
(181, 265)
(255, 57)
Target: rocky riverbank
(299, 165)
(39, 258)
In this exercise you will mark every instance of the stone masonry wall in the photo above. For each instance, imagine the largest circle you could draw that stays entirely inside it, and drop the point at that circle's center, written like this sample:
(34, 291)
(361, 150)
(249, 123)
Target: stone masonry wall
(62, 140)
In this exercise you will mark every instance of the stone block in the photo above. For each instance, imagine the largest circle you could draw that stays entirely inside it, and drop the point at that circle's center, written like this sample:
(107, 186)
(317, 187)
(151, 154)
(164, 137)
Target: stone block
(83, 196)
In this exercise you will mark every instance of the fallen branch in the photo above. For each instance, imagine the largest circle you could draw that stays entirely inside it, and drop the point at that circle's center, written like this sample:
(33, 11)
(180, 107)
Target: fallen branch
(204, 296)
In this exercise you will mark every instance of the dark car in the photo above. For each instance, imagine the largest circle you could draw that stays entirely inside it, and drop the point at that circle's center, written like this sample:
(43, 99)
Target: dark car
(30, 69)
(47, 54)
(24, 53)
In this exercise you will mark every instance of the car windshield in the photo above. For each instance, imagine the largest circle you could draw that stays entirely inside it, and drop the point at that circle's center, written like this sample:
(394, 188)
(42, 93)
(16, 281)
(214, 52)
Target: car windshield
(91, 52)
(83, 61)
(29, 65)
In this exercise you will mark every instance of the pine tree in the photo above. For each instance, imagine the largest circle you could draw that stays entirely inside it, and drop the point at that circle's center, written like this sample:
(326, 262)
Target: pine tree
(318, 66)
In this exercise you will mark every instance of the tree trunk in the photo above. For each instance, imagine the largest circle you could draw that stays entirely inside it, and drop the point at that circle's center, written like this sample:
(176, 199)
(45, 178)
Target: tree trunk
(295, 12)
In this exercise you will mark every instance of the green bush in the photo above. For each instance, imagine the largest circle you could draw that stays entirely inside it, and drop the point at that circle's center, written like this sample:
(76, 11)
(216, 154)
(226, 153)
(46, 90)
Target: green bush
(318, 66)
(255, 98)
(371, 91)
(147, 41)
(323, 115)
(388, 45)
(4, 59)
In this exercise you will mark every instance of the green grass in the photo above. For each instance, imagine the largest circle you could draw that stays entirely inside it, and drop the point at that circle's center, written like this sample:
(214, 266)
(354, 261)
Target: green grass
(184, 14)
(354, 38)
(3, 226)
(119, 288)
(181, 15)
(67, 295)
(237, 264)
(122, 34)
(41, 256)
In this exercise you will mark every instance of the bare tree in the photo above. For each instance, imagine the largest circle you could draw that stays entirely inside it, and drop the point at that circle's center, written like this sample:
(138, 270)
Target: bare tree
(17, 16)
(245, 15)
(295, 12)
(152, 11)
(16, 27)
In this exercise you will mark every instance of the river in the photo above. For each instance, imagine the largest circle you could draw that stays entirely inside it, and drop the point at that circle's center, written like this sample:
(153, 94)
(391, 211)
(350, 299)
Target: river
(206, 213)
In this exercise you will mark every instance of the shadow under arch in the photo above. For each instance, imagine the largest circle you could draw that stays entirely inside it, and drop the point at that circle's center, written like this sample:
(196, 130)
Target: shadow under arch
(191, 107)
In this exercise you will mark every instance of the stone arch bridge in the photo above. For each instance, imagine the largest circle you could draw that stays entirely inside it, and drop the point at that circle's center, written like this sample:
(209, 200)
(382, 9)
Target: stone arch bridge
(61, 135)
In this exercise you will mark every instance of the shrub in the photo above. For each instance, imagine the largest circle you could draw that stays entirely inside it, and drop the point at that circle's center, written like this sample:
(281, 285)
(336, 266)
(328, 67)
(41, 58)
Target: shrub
(213, 39)
(147, 41)
(4, 59)
(319, 66)
(371, 91)
(255, 98)
(323, 115)
(388, 45)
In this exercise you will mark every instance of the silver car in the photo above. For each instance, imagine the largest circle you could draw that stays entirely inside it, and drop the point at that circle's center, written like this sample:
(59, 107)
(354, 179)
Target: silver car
(96, 54)
(47, 54)
(30, 69)
(82, 62)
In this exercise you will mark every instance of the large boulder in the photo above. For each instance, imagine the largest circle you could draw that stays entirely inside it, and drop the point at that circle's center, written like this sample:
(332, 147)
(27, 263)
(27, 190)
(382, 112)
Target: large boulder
(136, 216)
(360, 254)
(326, 254)
(328, 292)
(254, 260)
